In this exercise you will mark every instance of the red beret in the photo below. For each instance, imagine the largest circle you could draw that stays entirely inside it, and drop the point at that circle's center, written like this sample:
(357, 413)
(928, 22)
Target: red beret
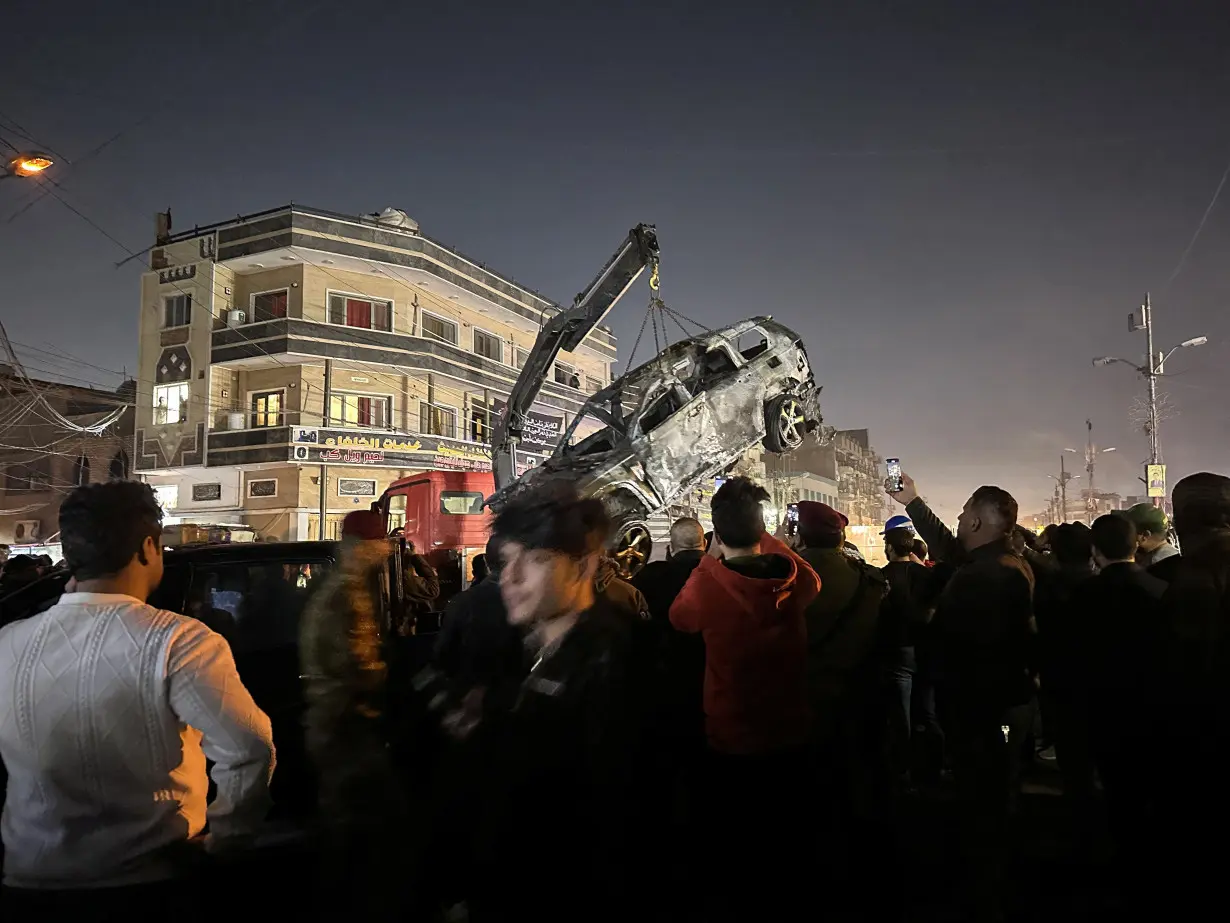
(820, 518)
(367, 525)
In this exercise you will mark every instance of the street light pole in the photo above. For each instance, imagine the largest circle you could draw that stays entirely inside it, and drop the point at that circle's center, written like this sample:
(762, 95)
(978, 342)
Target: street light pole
(1154, 366)
(1146, 311)
(1062, 487)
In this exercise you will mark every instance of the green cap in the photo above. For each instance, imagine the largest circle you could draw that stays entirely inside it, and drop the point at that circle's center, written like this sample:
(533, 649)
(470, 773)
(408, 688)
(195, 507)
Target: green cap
(1148, 518)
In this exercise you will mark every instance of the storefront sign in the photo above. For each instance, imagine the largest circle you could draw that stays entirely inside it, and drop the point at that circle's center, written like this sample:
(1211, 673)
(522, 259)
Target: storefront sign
(542, 431)
(346, 447)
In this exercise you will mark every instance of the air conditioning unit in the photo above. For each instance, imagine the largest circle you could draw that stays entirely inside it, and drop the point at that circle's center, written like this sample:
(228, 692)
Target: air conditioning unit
(27, 531)
(236, 317)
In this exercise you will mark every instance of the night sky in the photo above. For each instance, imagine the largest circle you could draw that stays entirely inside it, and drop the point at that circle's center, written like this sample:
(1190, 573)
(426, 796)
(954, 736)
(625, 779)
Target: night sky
(956, 208)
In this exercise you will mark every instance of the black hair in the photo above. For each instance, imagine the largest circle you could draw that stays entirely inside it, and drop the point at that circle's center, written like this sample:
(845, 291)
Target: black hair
(19, 563)
(1072, 543)
(920, 549)
(1202, 503)
(901, 541)
(738, 520)
(493, 551)
(998, 501)
(555, 517)
(480, 568)
(1028, 537)
(102, 526)
(1114, 536)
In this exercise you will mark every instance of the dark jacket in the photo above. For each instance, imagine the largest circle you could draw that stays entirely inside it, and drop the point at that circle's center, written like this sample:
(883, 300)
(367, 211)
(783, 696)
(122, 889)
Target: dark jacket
(619, 593)
(1061, 627)
(750, 612)
(1118, 634)
(476, 645)
(683, 655)
(907, 605)
(559, 779)
(983, 626)
(660, 582)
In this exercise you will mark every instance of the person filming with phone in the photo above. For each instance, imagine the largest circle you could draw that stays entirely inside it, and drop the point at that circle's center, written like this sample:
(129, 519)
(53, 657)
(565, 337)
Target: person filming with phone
(983, 629)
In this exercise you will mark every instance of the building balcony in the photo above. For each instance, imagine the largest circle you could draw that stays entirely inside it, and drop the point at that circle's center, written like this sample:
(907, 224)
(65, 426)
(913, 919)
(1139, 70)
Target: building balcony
(258, 346)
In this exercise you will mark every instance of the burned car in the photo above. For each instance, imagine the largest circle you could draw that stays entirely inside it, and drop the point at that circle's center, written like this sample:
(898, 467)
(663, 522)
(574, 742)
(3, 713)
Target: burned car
(682, 418)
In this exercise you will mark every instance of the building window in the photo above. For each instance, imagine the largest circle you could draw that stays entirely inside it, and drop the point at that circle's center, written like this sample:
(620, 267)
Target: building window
(360, 410)
(171, 403)
(488, 345)
(565, 375)
(269, 305)
(118, 469)
(267, 408)
(592, 385)
(520, 357)
(346, 311)
(177, 310)
(26, 476)
(439, 329)
(437, 420)
(482, 423)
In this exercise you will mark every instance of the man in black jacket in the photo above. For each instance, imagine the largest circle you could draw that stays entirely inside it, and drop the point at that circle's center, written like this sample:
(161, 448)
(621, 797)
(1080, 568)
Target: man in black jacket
(983, 628)
(1118, 634)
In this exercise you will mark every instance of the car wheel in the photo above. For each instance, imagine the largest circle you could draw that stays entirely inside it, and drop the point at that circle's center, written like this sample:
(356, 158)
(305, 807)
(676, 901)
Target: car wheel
(631, 547)
(785, 424)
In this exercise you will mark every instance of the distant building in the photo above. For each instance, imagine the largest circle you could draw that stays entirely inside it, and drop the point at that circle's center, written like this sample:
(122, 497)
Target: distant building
(240, 320)
(44, 455)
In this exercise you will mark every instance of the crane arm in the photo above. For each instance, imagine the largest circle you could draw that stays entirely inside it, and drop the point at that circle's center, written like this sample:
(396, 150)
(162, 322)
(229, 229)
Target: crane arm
(565, 332)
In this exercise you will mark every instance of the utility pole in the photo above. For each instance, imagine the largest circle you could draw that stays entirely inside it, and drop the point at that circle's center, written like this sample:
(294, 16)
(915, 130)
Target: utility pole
(1154, 369)
(1062, 487)
(324, 470)
(1089, 456)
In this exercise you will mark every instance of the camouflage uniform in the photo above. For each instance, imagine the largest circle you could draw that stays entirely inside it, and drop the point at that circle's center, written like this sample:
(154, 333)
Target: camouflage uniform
(362, 804)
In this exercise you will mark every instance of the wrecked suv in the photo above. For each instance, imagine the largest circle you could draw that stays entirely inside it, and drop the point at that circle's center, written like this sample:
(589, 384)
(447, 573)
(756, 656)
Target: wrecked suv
(683, 418)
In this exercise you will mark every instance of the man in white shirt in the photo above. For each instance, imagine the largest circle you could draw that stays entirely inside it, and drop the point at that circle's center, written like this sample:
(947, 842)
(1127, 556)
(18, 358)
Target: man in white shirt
(109, 709)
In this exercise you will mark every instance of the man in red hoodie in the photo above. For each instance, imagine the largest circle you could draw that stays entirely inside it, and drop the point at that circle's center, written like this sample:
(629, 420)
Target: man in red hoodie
(747, 598)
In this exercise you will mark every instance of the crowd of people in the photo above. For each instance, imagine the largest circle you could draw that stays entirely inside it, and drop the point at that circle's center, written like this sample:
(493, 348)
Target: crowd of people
(735, 733)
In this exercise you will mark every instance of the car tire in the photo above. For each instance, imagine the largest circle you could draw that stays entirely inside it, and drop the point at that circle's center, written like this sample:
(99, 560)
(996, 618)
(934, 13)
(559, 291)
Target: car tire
(785, 423)
(631, 543)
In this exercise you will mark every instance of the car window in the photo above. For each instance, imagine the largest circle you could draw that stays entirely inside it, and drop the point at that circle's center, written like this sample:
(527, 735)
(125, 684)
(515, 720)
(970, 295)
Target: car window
(461, 502)
(752, 343)
(256, 607)
(660, 410)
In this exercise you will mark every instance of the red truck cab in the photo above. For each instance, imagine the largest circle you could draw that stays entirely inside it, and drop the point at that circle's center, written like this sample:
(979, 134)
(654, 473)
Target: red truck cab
(442, 513)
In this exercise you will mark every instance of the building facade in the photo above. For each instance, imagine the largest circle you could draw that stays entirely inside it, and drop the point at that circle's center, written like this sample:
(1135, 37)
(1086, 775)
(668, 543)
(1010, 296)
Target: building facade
(54, 437)
(295, 341)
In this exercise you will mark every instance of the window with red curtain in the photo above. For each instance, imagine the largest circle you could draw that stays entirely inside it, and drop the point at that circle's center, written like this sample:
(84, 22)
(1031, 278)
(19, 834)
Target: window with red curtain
(358, 313)
(365, 412)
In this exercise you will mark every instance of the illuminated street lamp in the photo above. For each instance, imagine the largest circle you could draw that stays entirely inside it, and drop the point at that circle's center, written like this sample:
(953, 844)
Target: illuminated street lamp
(1154, 367)
(30, 163)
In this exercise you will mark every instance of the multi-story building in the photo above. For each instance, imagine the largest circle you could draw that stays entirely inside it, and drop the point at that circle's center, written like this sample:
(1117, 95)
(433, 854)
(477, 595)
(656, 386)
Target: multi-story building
(789, 481)
(860, 476)
(296, 344)
(54, 437)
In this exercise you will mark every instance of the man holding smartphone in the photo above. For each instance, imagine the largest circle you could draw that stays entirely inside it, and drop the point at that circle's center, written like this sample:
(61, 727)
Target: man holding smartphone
(983, 629)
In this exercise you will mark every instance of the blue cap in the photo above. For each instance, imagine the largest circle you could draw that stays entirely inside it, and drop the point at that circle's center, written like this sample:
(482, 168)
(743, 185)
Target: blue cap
(898, 522)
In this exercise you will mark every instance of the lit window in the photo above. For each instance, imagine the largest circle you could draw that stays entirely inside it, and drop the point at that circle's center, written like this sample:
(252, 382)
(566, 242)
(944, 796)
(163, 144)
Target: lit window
(346, 311)
(435, 420)
(170, 403)
(267, 408)
(488, 346)
(359, 410)
(177, 310)
(439, 329)
(268, 305)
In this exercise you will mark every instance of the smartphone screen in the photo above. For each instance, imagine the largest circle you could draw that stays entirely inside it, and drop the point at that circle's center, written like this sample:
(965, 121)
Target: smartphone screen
(792, 519)
(896, 483)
